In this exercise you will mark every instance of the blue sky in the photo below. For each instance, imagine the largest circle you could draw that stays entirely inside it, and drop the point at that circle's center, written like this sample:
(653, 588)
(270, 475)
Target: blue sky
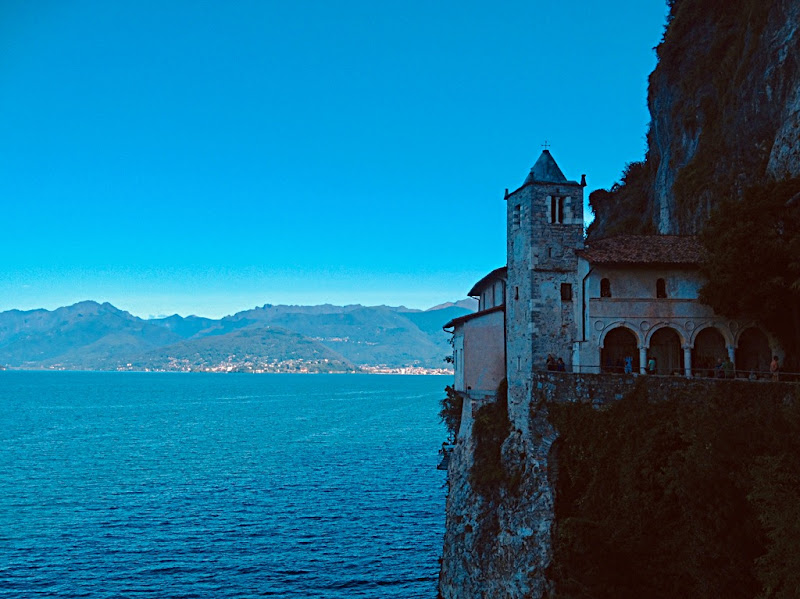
(208, 157)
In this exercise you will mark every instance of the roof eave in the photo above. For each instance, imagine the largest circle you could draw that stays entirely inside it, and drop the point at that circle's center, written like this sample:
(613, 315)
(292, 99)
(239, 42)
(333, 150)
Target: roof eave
(553, 183)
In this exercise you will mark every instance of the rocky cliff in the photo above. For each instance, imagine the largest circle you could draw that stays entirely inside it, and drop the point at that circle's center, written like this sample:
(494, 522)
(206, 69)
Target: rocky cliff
(499, 507)
(611, 485)
(725, 107)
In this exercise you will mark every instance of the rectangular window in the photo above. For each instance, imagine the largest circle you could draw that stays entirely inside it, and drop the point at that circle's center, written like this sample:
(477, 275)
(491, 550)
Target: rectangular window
(556, 213)
(566, 292)
(516, 217)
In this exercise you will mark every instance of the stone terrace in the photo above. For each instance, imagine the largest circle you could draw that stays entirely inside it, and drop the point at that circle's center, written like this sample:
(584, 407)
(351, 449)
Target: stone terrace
(601, 389)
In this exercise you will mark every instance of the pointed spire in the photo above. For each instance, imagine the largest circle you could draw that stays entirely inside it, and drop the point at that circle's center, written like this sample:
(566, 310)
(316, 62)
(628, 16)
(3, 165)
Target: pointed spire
(546, 170)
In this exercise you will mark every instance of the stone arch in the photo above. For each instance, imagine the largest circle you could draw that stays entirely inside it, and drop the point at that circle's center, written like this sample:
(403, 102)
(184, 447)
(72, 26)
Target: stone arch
(721, 329)
(616, 325)
(665, 325)
(710, 346)
(665, 345)
(616, 345)
(754, 351)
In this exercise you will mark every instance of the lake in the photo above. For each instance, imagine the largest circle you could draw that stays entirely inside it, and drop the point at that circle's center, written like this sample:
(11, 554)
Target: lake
(214, 485)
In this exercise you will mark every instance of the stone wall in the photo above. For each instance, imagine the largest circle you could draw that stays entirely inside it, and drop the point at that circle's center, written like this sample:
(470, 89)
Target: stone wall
(602, 389)
(541, 257)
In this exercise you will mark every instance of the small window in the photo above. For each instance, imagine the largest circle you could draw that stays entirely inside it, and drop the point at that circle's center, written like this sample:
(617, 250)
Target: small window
(661, 288)
(605, 288)
(516, 293)
(516, 217)
(566, 292)
(556, 214)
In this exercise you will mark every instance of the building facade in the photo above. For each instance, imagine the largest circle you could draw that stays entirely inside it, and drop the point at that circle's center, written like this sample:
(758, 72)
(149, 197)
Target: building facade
(609, 305)
(479, 346)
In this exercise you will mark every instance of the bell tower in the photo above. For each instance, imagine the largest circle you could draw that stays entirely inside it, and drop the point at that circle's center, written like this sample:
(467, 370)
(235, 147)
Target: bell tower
(544, 228)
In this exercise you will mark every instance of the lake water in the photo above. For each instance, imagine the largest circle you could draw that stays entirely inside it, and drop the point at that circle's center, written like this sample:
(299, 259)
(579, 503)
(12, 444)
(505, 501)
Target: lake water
(195, 485)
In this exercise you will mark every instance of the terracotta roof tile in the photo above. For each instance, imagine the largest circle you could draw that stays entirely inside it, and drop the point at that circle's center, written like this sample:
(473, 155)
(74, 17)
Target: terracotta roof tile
(644, 249)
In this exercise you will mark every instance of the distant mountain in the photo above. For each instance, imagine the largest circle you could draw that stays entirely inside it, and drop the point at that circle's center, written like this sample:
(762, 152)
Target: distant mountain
(469, 304)
(325, 338)
(246, 350)
(431, 321)
(84, 335)
(184, 327)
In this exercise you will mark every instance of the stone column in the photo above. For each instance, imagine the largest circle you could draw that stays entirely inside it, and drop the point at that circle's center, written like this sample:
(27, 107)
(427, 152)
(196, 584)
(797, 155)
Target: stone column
(687, 361)
(732, 358)
(643, 360)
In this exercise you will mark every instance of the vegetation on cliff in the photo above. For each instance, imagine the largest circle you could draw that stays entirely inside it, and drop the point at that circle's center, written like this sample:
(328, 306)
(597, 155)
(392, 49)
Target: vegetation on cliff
(450, 412)
(627, 207)
(752, 262)
(490, 430)
(680, 498)
(725, 111)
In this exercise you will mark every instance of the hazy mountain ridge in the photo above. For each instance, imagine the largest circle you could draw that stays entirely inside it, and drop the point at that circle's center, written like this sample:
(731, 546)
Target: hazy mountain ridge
(93, 336)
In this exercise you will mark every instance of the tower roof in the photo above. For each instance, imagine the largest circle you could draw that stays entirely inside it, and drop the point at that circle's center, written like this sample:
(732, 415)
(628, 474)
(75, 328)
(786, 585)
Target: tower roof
(546, 170)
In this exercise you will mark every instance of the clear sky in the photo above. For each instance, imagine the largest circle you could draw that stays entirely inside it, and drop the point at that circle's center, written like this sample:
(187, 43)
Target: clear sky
(207, 157)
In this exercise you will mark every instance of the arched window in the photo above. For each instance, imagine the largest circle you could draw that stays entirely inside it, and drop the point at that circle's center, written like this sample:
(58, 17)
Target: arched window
(661, 288)
(605, 288)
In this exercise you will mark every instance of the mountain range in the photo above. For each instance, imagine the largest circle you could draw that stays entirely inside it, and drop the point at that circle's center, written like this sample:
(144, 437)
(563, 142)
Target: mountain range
(326, 338)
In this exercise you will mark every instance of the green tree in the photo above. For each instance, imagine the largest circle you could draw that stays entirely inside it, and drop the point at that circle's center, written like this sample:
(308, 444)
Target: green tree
(752, 262)
(450, 412)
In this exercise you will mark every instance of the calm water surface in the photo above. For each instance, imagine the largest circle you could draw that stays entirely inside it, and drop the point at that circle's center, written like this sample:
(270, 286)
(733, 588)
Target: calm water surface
(194, 485)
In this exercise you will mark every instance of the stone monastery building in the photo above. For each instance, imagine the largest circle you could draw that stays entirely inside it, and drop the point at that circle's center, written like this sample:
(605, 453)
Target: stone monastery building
(595, 304)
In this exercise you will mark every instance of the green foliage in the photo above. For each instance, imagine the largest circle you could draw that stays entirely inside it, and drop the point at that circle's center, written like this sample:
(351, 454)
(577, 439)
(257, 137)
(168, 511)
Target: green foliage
(776, 480)
(627, 207)
(450, 413)
(753, 260)
(692, 497)
(490, 430)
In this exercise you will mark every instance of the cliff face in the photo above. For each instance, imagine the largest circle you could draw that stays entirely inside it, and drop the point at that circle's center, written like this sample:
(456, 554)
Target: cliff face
(498, 540)
(725, 106)
(612, 485)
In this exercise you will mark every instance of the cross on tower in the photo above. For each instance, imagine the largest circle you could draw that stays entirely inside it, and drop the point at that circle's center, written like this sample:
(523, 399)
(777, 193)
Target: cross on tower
(545, 145)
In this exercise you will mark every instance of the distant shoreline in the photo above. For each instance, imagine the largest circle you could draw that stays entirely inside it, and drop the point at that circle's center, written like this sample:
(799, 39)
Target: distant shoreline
(377, 371)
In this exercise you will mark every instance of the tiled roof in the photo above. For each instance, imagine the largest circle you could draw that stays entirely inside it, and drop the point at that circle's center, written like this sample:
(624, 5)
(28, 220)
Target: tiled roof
(497, 273)
(644, 249)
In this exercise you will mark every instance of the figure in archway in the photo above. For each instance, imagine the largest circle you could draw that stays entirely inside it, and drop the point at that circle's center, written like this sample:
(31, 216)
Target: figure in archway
(665, 348)
(709, 352)
(619, 349)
